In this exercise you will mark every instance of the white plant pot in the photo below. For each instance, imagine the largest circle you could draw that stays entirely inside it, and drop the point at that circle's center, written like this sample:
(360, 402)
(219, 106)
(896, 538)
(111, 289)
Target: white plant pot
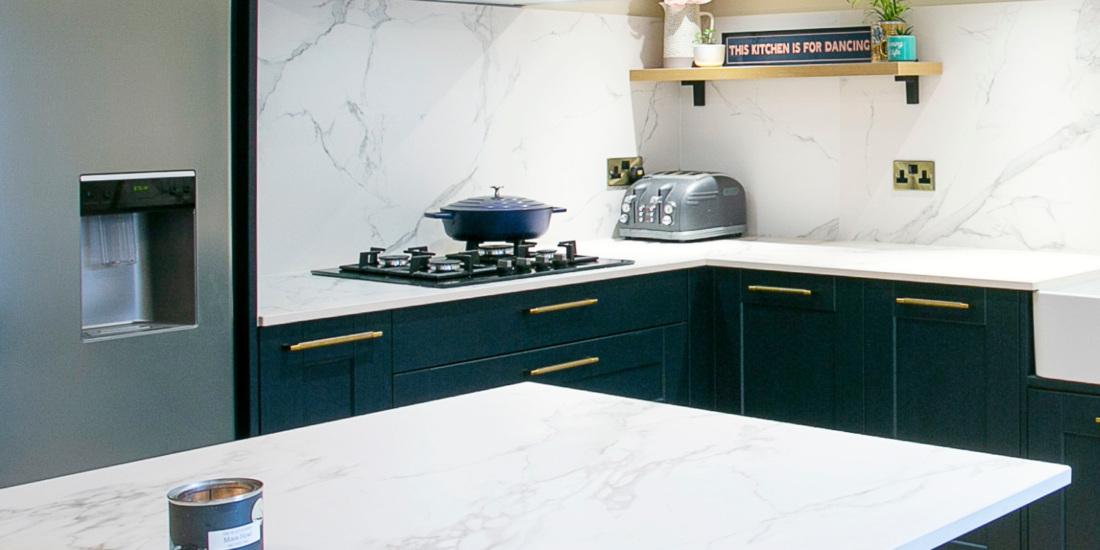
(710, 55)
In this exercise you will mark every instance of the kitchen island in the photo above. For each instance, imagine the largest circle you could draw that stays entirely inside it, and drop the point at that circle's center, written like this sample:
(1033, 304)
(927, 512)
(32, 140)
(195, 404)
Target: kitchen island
(539, 467)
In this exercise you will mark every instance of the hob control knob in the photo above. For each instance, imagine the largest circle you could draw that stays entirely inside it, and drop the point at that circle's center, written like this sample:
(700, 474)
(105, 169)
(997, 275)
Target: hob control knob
(666, 220)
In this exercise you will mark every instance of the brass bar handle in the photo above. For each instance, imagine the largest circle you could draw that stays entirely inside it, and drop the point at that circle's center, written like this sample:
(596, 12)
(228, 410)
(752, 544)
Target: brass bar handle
(335, 341)
(780, 290)
(932, 303)
(564, 366)
(1098, 420)
(559, 307)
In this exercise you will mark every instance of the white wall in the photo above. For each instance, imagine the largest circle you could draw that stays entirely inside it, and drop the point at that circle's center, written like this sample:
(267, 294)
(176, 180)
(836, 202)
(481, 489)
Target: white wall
(373, 114)
(1012, 125)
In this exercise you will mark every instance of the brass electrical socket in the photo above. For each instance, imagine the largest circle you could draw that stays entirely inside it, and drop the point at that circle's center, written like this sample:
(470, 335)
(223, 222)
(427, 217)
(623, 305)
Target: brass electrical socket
(624, 171)
(917, 175)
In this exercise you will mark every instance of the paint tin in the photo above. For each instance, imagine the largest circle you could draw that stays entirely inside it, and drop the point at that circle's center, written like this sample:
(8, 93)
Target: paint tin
(218, 514)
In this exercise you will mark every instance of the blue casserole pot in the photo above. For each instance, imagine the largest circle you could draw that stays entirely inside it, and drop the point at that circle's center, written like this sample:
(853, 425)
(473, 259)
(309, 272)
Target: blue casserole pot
(495, 218)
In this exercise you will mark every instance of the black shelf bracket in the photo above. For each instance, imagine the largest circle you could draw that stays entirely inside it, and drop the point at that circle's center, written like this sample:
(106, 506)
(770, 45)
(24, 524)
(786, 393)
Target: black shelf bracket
(698, 91)
(912, 88)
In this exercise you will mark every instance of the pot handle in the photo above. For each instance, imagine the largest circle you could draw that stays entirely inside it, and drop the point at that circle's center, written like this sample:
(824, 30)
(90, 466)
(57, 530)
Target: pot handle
(557, 210)
(439, 215)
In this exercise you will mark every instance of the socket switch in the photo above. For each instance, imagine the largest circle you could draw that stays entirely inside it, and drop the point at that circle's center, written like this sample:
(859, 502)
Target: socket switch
(624, 171)
(918, 175)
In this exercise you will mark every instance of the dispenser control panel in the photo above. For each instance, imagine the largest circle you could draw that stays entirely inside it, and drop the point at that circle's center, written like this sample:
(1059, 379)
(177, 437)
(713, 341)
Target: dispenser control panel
(136, 192)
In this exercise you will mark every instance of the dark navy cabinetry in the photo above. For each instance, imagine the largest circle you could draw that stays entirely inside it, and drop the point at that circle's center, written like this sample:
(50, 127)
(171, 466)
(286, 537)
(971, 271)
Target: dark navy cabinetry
(1065, 428)
(789, 347)
(324, 370)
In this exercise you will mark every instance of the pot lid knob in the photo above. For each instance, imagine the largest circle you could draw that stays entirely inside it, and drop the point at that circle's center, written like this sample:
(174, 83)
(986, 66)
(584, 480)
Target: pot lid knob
(496, 190)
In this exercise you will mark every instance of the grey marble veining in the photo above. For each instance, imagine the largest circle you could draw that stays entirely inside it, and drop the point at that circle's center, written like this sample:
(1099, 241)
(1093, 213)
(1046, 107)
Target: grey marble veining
(1012, 125)
(372, 112)
(538, 467)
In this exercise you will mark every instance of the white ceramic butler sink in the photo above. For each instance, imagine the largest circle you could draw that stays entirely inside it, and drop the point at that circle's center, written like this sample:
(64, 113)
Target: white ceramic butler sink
(1067, 332)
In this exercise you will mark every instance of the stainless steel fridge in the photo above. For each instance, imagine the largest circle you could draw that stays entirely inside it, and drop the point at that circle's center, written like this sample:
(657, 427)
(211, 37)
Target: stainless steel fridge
(116, 319)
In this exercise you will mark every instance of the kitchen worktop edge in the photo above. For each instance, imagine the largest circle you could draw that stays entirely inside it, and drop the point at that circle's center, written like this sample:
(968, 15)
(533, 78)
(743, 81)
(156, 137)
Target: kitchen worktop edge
(298, 297)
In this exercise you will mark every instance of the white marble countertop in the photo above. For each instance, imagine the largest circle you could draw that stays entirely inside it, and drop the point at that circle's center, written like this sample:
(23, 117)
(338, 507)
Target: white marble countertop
(540, 467)
(302, 297)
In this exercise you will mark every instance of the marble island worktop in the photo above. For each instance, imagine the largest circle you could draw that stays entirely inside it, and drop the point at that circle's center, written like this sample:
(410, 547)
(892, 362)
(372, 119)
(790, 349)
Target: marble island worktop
(302, 297)
(540, 467)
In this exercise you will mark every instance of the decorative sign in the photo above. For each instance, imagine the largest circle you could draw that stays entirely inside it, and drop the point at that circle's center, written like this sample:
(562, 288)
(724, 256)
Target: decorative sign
(798, 47)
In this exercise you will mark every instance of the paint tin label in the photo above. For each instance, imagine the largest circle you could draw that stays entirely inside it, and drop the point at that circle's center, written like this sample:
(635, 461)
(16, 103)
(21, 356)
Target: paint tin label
(231, 539)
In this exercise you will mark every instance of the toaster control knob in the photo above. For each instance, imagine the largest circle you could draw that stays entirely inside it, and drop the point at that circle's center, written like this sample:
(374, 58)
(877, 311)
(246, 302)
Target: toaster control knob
(666, 220)
(626, 207)
(624, 218)
(654, 199)
(669, 207)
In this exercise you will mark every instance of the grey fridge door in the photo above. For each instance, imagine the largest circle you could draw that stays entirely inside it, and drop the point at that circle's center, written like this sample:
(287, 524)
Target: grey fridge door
(107, 86)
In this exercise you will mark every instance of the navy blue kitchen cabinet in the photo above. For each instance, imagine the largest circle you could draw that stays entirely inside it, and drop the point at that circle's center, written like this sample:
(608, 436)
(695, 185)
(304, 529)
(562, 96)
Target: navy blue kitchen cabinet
(790, 347)
(1065, 428)
(647, 364)
(318, 371)
(453, 332)
(620, 336)
(946, 365)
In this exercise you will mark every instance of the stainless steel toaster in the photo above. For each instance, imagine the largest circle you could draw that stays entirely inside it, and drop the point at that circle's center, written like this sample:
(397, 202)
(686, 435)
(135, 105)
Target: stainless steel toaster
(683, 206)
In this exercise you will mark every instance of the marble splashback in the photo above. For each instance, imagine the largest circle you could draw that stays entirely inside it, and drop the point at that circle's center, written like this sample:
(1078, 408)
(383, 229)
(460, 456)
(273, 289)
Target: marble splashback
(372, 112)
(1012, 125)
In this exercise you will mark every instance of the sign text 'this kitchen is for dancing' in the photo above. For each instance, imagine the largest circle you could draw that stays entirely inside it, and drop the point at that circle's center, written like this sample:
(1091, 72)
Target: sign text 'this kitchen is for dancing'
(798, 47)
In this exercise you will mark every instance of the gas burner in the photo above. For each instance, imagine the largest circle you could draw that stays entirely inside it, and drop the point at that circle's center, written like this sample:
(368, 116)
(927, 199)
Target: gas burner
(444, 265)
(479, 263)
(394, 260)
(495, 250)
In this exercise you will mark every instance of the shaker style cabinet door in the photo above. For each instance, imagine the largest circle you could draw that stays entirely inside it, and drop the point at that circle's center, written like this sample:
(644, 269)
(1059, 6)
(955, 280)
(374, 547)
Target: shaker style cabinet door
(318, 371)
(946, 365)
(799, 339)
(1065, 428)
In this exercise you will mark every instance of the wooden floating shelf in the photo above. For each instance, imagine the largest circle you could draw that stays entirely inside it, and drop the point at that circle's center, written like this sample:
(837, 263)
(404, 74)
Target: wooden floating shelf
(907, 72)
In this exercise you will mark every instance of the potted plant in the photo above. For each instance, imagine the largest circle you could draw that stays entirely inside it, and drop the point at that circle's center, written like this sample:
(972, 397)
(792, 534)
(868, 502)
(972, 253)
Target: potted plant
(888, 21)
(708, 52)
(902, 46)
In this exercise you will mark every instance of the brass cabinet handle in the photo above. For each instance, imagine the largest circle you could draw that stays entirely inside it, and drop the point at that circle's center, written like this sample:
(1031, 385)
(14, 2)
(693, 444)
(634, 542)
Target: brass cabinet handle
(335, 341)
(559, 307)
(932, 303)
(564, 366)
(1098, 420)
(780, 290)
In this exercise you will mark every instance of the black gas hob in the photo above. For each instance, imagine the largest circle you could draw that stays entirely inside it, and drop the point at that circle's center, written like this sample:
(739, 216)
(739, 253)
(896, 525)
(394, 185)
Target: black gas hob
(479, 263)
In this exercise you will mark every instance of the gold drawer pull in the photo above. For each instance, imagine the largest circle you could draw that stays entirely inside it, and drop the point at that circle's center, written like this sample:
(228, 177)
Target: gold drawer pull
(780, 290)
(932, 303)
(564, 366)
(559, 307)
(1098, 420)
(335, 341)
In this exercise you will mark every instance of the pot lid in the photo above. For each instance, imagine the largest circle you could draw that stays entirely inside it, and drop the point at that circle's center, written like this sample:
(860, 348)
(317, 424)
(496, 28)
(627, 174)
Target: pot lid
(496, 203)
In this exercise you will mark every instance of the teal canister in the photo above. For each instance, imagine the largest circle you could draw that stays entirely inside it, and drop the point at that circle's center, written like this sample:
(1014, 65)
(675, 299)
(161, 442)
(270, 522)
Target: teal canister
(901, 48)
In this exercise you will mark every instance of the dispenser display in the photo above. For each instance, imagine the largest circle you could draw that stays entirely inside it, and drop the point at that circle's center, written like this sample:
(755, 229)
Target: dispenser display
(137, 253)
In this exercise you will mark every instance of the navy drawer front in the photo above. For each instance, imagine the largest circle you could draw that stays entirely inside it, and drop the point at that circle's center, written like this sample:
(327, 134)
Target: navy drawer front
(924, 302)
(793, 290)
(646, 364)
(447, 333)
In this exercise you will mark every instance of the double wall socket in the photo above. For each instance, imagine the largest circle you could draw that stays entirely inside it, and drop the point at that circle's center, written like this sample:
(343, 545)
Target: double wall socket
(919, 175)
(624, 171)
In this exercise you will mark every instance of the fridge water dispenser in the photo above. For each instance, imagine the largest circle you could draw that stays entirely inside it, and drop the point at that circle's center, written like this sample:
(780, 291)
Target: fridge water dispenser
(137, 253)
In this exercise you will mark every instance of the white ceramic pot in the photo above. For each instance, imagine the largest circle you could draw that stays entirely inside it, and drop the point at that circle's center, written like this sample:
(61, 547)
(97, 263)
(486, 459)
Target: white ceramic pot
(710, 55)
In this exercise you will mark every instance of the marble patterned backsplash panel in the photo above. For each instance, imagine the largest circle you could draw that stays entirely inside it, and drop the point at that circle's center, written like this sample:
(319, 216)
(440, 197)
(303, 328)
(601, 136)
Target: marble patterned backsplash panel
(374, 112)
(1012, 125)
